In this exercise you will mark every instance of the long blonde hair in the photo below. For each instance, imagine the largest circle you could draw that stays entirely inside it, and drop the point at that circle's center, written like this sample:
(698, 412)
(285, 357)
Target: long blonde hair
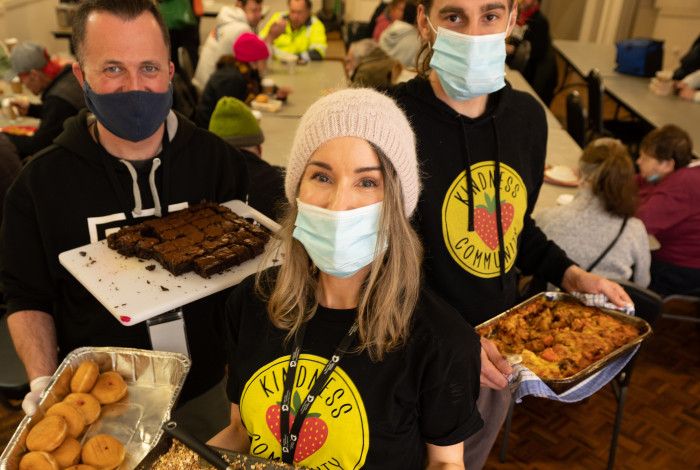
(389, 294)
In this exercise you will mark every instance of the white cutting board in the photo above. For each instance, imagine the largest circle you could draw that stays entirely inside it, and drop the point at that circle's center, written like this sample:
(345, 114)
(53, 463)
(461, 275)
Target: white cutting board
(134, 294)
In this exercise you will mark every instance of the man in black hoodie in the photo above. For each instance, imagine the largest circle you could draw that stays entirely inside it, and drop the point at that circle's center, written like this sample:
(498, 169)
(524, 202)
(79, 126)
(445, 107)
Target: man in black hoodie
(61, 96)
(130, 157)
(475, 134)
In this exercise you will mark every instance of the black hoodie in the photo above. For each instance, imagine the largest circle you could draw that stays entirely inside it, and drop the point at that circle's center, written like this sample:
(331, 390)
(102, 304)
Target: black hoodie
(71, 193)
(469, 257)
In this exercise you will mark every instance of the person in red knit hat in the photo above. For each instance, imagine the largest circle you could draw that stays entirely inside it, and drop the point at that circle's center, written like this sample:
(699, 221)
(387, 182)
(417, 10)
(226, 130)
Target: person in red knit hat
(237, 75)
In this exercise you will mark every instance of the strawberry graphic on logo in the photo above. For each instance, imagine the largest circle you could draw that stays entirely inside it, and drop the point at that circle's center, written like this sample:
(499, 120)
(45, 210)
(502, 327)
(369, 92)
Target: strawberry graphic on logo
(485, 220)
(313, 432)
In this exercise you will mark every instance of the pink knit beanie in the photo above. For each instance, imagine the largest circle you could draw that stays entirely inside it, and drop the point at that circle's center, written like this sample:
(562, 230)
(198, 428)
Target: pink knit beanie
(249, 48)
(363, 113)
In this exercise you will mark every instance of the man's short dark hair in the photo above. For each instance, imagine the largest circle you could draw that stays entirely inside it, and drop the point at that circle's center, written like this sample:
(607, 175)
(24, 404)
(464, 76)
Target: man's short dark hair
(124, 9)
(245, 2)
(309, 5)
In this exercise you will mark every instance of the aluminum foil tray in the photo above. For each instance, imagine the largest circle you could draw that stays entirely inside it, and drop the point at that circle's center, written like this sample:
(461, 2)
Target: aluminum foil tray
(154, 380)
(239, 461)
(561, 385)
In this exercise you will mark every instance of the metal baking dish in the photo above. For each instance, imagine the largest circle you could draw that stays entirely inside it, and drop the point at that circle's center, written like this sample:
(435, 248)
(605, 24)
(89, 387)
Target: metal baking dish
(561, 385)
(238, 460)
(154, 380)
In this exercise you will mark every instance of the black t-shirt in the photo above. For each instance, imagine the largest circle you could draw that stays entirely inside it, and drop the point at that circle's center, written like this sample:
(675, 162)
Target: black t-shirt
(371, 414)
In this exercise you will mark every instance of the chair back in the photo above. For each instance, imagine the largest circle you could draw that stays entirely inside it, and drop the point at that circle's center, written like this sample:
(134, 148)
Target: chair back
(595, 104)
(575, 118)
(647, 303)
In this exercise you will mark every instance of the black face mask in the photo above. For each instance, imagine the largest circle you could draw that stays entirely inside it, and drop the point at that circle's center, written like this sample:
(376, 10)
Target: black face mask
(130, 115)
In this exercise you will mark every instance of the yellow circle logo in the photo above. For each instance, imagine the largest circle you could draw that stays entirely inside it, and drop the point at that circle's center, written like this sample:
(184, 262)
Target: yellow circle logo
(335, 433)
(477, 252)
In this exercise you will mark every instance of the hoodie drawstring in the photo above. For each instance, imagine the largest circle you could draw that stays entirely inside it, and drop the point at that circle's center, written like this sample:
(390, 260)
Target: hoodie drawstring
(499, 221)
(154, 189)
(138, 205)
(497, 186)
(470, 183)
(170, 129)
(134, 186)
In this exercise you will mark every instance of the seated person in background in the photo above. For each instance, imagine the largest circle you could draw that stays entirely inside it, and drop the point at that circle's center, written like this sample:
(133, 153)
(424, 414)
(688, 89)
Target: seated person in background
(61, 95)
(236, 75)
(357, 52)
(231, 22)
(401, 40)
(690, 62)
(368, 65)
(530, 50)
(669, 181)
(382, 373)
(689, 87)
(597, 229)
(234, 122)
(297, 31)
(392, 12)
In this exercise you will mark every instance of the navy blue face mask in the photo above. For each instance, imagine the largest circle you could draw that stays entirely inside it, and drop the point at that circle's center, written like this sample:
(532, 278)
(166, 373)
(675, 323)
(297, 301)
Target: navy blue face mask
(130, 115)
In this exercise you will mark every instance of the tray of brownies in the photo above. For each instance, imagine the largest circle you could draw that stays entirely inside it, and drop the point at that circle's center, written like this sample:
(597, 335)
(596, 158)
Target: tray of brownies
(161, 264)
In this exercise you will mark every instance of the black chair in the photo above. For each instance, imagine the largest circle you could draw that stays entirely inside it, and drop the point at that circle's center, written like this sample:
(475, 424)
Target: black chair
(630, 132)
(689, 302)
(648, 305)
(13, 378)
(595, 106)
(575, 118)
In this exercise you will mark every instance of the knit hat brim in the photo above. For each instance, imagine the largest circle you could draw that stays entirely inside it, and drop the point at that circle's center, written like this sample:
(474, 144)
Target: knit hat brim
(246, 140)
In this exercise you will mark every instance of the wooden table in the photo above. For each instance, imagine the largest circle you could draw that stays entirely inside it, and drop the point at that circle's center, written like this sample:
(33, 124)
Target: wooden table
(308, 83)
(630, 91)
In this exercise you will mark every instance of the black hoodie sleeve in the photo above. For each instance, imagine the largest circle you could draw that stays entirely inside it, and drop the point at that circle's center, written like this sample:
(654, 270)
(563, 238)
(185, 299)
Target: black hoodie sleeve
(538, 255)
(24, 272)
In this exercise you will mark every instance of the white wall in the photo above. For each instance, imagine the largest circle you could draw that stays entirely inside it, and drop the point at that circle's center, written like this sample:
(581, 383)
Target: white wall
(564, 17)
(678, 24)
(32, 20)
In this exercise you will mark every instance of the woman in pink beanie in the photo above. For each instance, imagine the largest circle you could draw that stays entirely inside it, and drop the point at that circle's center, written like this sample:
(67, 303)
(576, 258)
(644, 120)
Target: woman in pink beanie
(341, 357)
(237, 75)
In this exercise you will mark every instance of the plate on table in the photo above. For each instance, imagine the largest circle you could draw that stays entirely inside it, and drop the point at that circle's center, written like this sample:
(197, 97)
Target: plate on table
(562, 175)
(27, 131)
(134, 290)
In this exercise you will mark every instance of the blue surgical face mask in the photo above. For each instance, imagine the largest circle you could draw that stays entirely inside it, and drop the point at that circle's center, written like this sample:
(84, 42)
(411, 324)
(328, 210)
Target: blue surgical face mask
(654, 178)
(469, 66)
(340, 243)
(130, 115)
